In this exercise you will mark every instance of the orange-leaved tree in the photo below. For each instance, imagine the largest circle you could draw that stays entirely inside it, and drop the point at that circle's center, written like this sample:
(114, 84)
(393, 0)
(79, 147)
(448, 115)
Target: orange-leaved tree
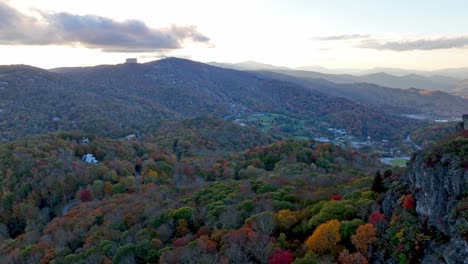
(354, 258)
(365, 236)
(325, 237)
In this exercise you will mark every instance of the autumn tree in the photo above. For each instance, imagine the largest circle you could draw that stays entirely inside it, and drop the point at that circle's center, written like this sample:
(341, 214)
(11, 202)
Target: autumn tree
(336, 197)
(365, 236)
(85, 195)
(281, 256)
(408, 202)
(325, 237)
(153, 174)
(205, 244)
(97, 189)
(108, 188)
(354, 258)
(182, 227)
(376, 217)
(286, 218)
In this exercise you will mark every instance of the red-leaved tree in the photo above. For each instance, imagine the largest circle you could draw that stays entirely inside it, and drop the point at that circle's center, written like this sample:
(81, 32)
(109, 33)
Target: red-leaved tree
(281, 256)
(337, 197)
(376, 218)
(85, 195)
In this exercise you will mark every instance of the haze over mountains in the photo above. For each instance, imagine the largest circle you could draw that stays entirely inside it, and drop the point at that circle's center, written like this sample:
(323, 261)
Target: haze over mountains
(416, 101)
(448, 80)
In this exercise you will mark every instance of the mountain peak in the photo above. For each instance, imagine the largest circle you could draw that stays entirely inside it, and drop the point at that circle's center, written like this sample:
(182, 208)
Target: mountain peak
(380, 74)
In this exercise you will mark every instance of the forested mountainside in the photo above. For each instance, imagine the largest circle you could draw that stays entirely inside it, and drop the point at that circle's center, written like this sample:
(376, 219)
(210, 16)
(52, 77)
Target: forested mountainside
(174, 204)
(208, 136)
(415, 101)
(142, 203)
(229, 93)
(34, 101)
(122, 99)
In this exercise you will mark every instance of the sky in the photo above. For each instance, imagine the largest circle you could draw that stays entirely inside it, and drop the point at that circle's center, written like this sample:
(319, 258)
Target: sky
(348, 34)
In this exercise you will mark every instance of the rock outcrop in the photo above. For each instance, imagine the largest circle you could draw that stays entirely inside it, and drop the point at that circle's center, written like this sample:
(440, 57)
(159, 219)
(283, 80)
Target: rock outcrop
(438, 180)
(463, 125)
(437, 190)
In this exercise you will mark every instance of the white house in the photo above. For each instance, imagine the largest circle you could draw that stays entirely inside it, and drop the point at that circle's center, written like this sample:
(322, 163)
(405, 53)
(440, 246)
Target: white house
(89, 158)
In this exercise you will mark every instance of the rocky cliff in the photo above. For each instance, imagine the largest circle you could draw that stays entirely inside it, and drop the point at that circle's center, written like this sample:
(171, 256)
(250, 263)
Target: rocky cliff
(437, 190)
(437, 181)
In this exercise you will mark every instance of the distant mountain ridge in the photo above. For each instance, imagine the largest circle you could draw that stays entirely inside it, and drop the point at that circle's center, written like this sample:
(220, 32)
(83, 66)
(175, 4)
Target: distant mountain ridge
(383, 79)
(453, 73)
(456, 73)
(115, 100)
(434, 103)
(444, 80)
(462, 88)
(247, 65)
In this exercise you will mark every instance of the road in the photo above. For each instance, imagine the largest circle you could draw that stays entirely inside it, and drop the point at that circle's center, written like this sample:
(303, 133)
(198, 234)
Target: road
(69, 206)
(408, 139)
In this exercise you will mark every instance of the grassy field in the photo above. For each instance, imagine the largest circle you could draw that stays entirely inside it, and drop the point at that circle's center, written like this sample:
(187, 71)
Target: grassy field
(399, 162)
(287, 124)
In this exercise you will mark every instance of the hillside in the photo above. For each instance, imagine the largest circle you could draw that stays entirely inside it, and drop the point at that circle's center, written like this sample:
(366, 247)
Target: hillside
(191, 89)
(462, 88)
(405, 101)
(35, 101)
(268, 196)
(440, 83)
(140, 203)
(433, 82)
(207, 135)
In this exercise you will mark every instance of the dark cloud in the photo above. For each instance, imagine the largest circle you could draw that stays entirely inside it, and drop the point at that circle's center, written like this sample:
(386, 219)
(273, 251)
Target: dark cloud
(417, 44)
(91, 31)
(342, 37)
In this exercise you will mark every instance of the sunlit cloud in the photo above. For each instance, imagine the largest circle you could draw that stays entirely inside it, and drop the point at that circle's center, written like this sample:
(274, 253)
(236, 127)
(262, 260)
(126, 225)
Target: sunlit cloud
(399, 44)
(91, 31)
(416, 44)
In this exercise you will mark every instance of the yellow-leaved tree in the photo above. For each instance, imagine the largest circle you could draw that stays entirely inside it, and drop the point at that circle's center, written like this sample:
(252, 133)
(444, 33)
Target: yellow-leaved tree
(325, 237)
(286, 218)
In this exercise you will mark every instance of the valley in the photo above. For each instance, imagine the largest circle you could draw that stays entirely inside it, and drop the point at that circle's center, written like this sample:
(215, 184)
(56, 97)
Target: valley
(176, 161)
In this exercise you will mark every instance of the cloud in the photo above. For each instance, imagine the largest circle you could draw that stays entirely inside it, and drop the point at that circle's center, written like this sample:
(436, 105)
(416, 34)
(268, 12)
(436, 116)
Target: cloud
(342, 37)
(416, 44)
(91, 31)
(371, 42)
